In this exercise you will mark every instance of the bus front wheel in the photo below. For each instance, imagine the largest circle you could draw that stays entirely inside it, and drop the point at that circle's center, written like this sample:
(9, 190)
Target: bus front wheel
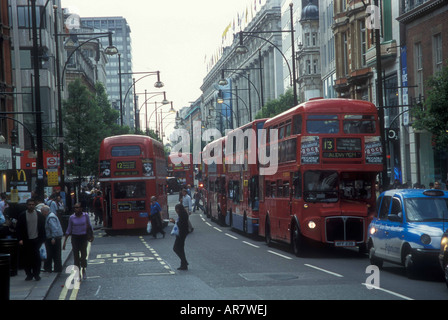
(297, 241)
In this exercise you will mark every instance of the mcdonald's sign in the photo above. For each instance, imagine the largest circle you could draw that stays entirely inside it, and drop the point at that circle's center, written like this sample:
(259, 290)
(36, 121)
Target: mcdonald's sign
(19, 179)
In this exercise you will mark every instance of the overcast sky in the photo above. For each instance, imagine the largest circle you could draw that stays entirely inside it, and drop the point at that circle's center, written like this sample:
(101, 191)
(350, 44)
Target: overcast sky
(173, 37)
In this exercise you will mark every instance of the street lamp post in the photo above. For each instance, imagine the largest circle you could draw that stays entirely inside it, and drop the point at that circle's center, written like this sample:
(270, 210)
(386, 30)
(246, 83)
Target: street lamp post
(158, 84)
(110, 50)
(241, 49)
(40, 156)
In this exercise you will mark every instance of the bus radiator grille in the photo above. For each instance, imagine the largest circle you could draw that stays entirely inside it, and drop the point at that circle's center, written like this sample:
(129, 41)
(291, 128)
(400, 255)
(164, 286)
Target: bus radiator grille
(344, 228)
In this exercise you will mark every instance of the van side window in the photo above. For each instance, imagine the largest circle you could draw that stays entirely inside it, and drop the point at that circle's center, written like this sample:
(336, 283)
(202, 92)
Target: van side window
(396, 206)
(384, 209)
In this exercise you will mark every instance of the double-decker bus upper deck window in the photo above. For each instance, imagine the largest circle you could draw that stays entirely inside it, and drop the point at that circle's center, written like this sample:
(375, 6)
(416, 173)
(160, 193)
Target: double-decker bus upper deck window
(297, 124)
(322, 124)
(126, 151)
(359, 124)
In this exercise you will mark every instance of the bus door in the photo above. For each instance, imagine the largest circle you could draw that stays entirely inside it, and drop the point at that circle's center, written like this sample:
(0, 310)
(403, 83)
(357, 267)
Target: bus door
(107, 214)
(296, 194)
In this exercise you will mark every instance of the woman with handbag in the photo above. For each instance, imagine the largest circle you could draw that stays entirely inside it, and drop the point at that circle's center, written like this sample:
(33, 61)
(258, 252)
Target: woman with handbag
(80, 228)
(181, 234)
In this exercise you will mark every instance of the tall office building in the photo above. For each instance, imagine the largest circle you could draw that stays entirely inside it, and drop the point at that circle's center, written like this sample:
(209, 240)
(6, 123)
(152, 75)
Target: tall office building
(122, 40)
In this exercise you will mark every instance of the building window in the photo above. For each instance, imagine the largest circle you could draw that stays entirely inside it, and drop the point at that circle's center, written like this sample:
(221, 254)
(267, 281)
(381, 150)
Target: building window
(418, 62)
(26, 19)
(437, 52)
(363, 37)
(345, 53)
(314, 39)
(308, 66)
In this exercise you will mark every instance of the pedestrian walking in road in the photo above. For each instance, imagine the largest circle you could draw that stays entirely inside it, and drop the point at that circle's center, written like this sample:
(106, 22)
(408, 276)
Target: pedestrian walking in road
(186, 202)
(53, 243)
(156, 218)
(197, 197)
(98, 208)
(31, 235)
(179, 243)
(81, 231)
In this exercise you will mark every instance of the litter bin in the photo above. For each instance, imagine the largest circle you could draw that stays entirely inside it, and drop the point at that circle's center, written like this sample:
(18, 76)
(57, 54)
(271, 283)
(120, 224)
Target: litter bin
(11, 247)
(4, 277)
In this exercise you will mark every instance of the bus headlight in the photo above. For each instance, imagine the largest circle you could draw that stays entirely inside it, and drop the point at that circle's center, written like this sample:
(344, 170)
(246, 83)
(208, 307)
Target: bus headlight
(312, 225)
(372, 230)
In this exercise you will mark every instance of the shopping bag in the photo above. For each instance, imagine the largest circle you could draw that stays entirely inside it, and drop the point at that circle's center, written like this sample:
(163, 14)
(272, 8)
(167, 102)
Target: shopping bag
(43, 252)
(175, 231)
(149, 227)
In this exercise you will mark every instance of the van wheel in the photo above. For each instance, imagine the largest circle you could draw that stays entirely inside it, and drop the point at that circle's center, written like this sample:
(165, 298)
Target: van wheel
(446, 275)
(374, 260)
(409, 264)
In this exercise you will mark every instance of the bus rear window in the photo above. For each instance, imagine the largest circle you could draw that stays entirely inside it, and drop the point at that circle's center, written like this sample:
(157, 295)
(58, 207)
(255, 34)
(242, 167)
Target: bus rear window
(126, 151)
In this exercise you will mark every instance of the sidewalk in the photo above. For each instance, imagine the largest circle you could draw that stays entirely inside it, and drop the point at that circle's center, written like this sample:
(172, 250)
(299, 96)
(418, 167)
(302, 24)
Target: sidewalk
(19, 289)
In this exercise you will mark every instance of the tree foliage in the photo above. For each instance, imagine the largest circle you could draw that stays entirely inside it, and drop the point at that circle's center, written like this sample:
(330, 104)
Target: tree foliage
(277, 106)
(88, 119)
(434, 115)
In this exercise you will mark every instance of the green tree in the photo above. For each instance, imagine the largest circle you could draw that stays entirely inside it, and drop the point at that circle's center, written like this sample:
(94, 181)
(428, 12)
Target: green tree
(276, 106)
(88, 119)
(434, 114)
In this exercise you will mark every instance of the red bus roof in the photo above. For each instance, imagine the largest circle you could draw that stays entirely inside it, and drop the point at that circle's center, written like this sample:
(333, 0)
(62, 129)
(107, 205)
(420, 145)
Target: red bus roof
(129, 139)
(328, 106)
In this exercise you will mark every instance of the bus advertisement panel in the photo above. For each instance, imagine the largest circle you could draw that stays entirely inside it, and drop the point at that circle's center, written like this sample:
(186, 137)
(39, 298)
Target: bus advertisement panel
(329, 154)
(132, 168)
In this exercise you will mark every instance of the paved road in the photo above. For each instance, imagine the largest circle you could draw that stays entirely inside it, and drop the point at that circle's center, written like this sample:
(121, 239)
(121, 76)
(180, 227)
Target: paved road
(226, 265)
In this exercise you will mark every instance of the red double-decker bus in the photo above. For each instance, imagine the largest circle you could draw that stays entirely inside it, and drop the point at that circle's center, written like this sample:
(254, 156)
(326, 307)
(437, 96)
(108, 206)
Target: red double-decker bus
(132, 169)
(329, 155)
(243, 177)
(215, 183)
(181, 167)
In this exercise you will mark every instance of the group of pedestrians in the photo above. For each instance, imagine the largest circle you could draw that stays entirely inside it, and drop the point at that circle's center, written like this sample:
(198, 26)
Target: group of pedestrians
(38, 230)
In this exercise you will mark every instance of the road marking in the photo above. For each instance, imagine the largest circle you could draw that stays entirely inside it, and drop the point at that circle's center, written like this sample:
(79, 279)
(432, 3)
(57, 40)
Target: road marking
(208, 223)
(230, 236)
(158, 274)
(75, 291)
(251, 244)
(326, 271)
(217, 229)
(280, 255)
(388, 291)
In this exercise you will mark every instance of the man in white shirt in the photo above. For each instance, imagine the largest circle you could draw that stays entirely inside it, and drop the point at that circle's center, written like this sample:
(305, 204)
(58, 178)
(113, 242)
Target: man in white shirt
(186, 202)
